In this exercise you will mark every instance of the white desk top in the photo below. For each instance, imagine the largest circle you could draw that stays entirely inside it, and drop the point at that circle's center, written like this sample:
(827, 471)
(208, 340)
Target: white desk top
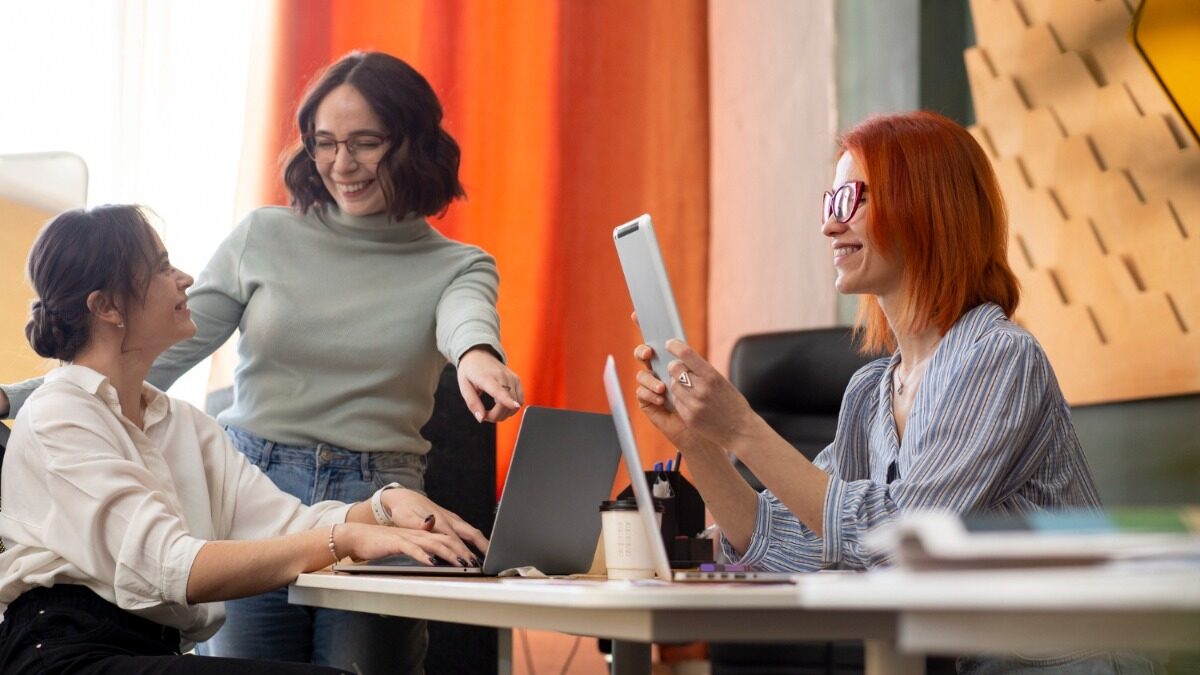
(566, 593)
(636, 611)
(1124, 589)
(928, 612)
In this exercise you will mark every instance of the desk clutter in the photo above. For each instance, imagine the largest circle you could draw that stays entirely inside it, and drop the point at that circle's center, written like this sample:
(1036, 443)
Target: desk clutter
(682, 517)
(946, 541)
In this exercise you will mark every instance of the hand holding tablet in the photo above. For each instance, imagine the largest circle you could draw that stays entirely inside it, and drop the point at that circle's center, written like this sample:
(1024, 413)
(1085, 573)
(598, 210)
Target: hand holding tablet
(650, 289)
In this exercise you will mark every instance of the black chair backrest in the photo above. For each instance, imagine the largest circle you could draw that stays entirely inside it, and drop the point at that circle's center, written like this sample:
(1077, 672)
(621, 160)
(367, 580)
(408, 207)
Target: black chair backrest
(795, 380)
(461, 474)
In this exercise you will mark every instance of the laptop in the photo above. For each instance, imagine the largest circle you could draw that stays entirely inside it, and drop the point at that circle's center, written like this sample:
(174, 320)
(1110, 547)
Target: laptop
(645, 502)
(563, 465)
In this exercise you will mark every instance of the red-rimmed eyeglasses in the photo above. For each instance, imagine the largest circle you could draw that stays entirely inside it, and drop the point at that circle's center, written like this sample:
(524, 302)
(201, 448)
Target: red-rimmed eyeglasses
(843, 202)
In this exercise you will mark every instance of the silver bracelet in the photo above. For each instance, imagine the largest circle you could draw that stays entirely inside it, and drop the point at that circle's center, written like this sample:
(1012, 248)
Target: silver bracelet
(381, 514)
(332, 545)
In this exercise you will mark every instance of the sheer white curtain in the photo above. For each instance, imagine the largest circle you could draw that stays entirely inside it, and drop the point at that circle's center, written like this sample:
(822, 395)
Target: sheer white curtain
(152, 94)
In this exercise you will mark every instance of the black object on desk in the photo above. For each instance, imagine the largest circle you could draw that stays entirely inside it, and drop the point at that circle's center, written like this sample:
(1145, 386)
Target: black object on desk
(682, 520)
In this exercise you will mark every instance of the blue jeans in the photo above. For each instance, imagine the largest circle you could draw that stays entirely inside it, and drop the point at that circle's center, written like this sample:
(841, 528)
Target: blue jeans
(268, 627)
(1114, 663)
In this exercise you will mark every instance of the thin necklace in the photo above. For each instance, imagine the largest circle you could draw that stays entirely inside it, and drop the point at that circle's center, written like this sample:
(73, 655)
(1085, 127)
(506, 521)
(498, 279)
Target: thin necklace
(915, 372)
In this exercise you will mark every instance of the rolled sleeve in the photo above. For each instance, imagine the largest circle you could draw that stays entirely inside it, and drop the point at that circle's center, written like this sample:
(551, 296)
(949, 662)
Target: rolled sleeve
(780, 542)
(135, 591)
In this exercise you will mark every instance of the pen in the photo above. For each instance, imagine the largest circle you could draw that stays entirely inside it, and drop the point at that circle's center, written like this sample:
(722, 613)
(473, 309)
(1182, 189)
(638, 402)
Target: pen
(678, 459)
(669, 466)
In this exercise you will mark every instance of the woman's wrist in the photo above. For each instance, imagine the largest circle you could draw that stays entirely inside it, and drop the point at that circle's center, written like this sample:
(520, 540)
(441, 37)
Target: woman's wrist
(481, 349)
(750, 437)
(382, 515)
(332, 543)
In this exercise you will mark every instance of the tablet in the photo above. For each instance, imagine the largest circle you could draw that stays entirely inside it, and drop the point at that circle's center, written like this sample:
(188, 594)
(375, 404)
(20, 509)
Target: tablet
(650, 289)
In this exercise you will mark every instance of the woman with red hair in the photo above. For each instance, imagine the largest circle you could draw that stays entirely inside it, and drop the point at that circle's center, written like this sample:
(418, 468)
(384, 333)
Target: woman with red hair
(965, 414)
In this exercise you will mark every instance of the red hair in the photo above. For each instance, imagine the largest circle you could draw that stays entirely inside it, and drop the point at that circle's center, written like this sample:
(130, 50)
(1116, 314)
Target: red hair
(935, 202)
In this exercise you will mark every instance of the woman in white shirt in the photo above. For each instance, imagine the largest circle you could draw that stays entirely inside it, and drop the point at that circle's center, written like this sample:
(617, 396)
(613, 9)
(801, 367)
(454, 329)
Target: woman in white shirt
(128, 516)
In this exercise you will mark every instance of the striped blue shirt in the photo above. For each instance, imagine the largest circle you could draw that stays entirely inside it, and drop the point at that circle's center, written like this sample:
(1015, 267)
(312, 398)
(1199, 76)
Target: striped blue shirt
(989, 430)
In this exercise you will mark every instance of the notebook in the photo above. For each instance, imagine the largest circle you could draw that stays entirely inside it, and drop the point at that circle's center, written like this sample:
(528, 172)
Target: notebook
(645, 502)
(563, 465)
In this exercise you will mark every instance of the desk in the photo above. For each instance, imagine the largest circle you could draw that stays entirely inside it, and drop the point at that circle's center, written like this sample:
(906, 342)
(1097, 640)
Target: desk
(1030, 611)
(901, 615)
(633, 616)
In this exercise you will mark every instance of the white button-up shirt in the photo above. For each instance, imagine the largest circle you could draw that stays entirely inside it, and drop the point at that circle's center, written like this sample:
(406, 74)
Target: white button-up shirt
(91, 499)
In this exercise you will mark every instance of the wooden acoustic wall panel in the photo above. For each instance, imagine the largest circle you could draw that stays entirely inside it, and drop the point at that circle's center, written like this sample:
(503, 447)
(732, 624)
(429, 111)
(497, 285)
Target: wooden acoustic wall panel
(19, 225)
(1103, 192)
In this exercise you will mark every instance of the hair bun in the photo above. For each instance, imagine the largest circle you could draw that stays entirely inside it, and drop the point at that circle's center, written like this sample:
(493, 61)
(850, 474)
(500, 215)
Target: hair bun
(46, 333)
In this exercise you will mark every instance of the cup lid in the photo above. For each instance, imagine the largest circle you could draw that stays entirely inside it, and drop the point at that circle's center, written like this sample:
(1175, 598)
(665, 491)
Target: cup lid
(625, 505)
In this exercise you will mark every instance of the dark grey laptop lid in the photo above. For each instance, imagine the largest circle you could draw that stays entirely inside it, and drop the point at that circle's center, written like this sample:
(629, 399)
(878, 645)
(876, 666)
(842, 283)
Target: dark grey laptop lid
(563, 466)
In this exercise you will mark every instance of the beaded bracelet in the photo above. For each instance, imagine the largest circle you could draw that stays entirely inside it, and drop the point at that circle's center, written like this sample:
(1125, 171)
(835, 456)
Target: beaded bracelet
(381, 515)
(332, 545)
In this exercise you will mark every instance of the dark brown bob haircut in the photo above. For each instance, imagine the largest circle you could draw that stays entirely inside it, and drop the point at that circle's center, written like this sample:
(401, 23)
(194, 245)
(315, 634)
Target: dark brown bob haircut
(419, 172)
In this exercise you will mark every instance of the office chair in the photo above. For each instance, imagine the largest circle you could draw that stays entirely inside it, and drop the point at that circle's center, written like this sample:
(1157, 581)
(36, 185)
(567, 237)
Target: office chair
(461, 476)
(795, 380)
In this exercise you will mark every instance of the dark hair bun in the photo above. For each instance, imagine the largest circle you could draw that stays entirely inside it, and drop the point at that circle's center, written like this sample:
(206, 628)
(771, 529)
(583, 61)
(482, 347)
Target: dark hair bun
(50, 335)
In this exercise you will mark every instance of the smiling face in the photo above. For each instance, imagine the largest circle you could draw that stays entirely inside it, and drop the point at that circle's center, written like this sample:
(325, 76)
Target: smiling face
(861, 268)
(161, 318)
(344, 114)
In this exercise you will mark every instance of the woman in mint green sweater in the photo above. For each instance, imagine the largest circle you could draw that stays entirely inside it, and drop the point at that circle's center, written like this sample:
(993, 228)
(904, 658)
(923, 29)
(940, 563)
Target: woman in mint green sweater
(349, 305)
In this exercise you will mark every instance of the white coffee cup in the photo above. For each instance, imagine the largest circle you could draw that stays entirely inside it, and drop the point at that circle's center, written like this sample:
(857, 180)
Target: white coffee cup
(626, 548)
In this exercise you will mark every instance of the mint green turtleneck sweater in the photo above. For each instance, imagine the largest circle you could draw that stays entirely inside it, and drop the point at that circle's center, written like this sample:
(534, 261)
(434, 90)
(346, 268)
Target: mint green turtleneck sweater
(346, 323)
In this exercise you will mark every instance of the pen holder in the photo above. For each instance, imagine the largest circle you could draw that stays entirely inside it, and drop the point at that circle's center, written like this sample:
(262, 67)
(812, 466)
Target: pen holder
(682, 520)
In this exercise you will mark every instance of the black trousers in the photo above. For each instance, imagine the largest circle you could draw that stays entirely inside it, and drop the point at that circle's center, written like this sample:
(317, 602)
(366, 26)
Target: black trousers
(70, 629)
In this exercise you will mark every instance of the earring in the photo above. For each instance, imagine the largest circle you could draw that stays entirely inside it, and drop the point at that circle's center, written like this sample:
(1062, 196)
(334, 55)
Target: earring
(122, 324)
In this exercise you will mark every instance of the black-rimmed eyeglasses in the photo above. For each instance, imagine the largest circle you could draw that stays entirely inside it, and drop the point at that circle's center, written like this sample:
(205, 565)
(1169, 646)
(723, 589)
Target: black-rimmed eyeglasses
(364, 148)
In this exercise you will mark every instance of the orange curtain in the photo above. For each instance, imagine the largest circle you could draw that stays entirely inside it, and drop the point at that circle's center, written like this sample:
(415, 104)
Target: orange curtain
(573, 117)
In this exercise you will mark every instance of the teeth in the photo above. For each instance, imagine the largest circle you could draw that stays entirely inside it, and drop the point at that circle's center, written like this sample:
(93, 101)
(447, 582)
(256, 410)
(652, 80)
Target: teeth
(352, 187)
(844, 250)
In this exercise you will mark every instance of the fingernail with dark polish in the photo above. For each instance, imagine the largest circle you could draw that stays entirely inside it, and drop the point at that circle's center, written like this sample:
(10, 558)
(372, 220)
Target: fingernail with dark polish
(429, 519)
(433, 560)
(461, 561)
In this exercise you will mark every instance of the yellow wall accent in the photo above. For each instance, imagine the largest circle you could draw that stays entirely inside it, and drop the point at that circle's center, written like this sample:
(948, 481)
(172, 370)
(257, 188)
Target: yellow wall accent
(1167, 32)
(1102, 181)
(19, 225)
